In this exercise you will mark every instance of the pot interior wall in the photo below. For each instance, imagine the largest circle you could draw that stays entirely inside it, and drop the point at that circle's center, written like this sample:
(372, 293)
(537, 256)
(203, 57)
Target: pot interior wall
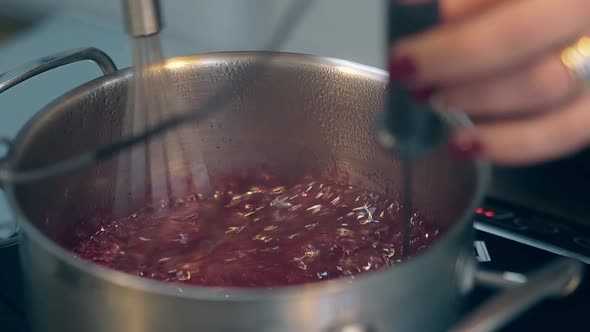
(303, 115)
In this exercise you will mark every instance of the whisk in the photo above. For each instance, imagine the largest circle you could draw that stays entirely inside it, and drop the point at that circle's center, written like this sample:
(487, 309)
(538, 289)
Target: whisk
(152, 99)
(143, 21)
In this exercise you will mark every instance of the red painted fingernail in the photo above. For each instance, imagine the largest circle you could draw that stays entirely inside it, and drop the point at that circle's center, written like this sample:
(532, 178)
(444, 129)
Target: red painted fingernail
(466, 148)
(402, 68)
(422, 94)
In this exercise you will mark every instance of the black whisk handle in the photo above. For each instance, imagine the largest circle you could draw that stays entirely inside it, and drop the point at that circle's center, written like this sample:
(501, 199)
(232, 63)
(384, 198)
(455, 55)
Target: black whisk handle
(407, 127)
(408, 17)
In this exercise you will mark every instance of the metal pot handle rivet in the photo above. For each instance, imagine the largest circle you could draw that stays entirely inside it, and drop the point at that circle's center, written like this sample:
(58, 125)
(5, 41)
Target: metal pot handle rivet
(22, 73)
(558, 278)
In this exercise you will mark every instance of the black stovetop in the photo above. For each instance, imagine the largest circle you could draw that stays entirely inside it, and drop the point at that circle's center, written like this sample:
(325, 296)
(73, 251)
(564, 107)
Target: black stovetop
(503, 227)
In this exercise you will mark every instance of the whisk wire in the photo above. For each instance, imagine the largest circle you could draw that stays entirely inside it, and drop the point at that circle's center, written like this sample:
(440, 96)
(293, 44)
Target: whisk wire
(292, 17)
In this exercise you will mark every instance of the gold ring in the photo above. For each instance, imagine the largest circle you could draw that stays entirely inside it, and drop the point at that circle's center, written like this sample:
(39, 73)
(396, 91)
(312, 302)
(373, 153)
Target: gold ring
(576, 59)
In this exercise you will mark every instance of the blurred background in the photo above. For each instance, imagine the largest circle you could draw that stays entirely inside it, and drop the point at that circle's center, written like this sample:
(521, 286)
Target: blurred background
(349, 29)
(29, 29)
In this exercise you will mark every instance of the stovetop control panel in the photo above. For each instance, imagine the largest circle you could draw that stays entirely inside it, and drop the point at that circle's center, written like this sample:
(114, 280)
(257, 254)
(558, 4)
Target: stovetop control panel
(535, 229)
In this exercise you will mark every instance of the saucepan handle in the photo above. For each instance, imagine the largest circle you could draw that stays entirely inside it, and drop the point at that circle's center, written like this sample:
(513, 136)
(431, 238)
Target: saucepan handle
(31, 69)
(520, 292)
(36, 67)
(22, 73)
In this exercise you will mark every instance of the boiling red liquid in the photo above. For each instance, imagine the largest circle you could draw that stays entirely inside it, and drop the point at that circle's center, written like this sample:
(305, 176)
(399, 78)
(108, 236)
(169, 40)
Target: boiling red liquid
(258, 231)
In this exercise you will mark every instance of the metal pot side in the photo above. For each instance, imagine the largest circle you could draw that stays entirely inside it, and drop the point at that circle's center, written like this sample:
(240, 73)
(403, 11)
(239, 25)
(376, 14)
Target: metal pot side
(304, 113)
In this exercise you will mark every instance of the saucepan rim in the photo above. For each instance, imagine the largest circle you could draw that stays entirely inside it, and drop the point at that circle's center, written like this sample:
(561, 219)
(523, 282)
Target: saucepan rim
(320, 288)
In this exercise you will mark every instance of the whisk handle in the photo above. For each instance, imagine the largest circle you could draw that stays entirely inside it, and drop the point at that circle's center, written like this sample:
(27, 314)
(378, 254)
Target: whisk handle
(407, 127)
(142, 17)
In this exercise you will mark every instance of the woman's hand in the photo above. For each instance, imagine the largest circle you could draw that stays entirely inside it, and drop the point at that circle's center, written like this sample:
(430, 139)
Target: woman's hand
(501, 62)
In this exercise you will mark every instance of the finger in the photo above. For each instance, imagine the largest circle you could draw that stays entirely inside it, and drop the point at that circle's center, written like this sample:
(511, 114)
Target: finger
(544, 84)
(544, 137)
(451, 10)
(507, 35)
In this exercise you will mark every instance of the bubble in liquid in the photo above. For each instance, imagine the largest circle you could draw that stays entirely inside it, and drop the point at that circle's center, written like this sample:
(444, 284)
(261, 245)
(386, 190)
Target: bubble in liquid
(182, 238)
(183, 275)
(258, 233)
(344, 232)
(314, 209)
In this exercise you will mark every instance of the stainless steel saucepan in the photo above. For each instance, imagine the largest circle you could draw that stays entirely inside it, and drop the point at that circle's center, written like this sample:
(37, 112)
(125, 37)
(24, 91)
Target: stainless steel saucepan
(304, 112)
